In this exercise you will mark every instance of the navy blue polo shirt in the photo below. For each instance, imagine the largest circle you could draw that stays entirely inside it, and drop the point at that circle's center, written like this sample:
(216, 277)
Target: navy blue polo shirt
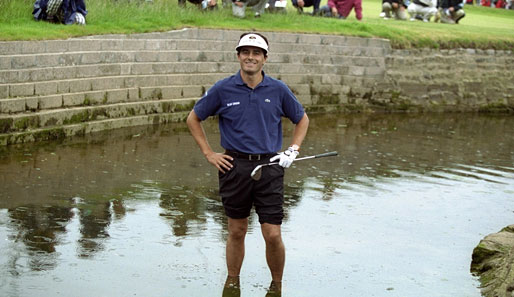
(250, 119)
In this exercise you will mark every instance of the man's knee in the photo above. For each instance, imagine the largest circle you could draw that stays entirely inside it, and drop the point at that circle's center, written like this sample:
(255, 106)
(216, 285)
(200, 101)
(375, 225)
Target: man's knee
(272, 233)
(237, 228)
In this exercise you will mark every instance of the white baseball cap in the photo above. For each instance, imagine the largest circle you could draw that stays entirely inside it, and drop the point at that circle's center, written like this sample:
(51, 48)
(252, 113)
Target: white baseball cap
(253, 40)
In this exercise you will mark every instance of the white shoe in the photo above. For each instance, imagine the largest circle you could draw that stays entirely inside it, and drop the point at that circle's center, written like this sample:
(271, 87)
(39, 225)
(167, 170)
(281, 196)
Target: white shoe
(426, 20)
(413, 19)
(382, 14)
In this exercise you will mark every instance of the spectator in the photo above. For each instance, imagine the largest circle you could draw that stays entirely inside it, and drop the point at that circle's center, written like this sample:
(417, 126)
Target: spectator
(342, 8)
(67, 12)
(451, 11)
(276, 6)
(394, 8)
(425, 8)
(203, 4)
(300, 4)
(239, 7)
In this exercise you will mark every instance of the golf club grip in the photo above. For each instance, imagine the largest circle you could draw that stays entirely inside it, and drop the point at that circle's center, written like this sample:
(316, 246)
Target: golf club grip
(329, 154)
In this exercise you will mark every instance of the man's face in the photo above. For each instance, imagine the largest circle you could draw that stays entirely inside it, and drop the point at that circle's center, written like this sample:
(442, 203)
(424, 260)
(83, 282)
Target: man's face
(252, 59)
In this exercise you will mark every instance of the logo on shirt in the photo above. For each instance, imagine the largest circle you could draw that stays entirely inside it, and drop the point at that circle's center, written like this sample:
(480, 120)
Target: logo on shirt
(233, 103)
(267, 100)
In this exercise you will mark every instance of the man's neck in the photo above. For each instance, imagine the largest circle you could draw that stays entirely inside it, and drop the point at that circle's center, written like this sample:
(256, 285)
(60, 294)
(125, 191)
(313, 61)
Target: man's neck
(251, 80)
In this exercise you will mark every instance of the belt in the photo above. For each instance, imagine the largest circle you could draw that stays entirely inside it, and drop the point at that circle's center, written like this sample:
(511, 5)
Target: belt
(251, 157)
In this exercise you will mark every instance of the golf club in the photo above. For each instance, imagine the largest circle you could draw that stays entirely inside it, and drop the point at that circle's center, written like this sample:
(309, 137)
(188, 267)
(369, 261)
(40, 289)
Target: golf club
(257, 171)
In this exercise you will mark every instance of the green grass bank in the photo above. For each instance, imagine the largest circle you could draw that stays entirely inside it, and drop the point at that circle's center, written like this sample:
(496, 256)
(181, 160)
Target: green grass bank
(483, 27)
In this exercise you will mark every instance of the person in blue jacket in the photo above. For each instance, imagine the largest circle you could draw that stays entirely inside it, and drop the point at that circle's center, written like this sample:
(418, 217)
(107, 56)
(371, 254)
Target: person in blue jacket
(60, 11)
(250, 106)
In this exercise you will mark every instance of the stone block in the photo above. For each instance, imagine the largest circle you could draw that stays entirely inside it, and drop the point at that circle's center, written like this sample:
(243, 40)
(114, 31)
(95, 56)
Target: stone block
(76, 99)
(80, 85)
(61, 73)
(32, 47)
(133, 94)
(172, 92)
(90, 45)
(374, 71)
(149, 93)
(133, 45)
(356, 70)
(50, 60)
(309, 39)
(48, 102)
(10, 48)
(112, 45)
(107, 70)
(4, 91)
(95, 97)
(45, 88)
(12, 105)
(56, 46)
(63, 86)
(31, 103)
(20, 90)
(90, 58)
(141, 69)
(9, 76)
(192, 92)
(22, 62)
(147, 56)
(169, 56)
(117, 96)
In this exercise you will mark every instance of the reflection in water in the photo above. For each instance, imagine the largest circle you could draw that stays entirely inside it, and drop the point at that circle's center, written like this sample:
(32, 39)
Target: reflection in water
(141, 206)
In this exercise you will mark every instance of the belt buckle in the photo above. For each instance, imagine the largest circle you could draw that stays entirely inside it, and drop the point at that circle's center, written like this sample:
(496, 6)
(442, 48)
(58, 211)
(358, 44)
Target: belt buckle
(251, 157)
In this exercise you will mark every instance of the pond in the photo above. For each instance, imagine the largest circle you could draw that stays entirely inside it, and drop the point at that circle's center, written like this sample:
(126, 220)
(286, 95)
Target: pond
(135, 212)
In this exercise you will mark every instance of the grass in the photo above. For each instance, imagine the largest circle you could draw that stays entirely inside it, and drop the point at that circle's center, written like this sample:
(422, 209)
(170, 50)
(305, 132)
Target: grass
(482, 27)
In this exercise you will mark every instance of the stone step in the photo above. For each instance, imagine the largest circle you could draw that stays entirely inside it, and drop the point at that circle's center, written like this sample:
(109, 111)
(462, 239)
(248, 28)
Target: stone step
(65, 86)
(53, 133)
(27, 61)
(93, 84)
(67, 116)
(190, 39)
(328, 85)
(44, 81)
(117, 69)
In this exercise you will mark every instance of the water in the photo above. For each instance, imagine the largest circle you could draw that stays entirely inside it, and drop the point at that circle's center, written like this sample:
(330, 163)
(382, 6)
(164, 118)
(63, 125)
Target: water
(135, 212)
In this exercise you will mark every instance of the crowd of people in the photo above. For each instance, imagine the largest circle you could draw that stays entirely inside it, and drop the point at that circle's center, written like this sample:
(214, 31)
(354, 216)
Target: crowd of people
(446, 11)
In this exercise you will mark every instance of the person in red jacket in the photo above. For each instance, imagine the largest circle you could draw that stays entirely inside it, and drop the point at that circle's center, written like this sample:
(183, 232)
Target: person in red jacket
(342, 8)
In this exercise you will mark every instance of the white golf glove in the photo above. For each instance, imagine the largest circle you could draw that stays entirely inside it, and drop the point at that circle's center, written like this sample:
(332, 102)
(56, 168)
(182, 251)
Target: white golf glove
(286, 157)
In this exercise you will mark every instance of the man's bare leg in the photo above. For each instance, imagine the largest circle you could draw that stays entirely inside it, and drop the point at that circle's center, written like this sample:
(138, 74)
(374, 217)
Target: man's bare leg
(275, 253)
(235, 250)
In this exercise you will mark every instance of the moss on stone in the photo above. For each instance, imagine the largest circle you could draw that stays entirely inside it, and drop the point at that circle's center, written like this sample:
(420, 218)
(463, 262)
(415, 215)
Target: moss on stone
(77, 118)
(25, 123)
(496, 107)
(49, 134)
(5, 125)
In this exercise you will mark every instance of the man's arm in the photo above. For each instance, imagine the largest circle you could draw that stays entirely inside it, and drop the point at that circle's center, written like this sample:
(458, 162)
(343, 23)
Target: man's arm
(220, 161)
(300, 130)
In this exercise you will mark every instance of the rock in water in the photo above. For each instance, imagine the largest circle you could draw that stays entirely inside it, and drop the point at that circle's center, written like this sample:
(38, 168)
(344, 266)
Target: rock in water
(493, 262)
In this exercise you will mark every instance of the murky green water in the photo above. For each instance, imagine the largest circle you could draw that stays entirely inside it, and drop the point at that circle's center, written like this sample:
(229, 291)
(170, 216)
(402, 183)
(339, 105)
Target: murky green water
(136, 213)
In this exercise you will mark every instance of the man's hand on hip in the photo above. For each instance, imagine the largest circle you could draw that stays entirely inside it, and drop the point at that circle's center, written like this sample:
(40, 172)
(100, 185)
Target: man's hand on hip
(221, 161)
(286, 158)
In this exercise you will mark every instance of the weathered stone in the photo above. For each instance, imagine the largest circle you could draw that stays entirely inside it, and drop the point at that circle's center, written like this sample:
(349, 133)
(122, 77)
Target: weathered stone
(48, 102)
(493, 262)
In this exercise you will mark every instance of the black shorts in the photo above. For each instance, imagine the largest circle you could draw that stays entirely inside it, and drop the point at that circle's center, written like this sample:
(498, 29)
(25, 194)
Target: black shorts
(239, 192)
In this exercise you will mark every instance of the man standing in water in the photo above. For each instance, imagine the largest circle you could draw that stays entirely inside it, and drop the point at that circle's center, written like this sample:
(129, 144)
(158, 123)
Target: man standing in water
(250, 106)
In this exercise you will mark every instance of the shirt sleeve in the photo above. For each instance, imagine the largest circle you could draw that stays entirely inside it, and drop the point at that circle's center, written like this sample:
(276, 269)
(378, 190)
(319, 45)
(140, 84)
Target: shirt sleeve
(209, 104)
(291, 107)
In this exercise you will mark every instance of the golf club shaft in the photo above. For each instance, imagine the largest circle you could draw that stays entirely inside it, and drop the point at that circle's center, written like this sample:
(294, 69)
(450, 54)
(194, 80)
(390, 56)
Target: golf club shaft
(329, 154)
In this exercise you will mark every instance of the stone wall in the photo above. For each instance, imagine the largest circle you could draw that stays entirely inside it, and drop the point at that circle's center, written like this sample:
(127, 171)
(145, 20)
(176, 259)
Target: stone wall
(59, 88)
